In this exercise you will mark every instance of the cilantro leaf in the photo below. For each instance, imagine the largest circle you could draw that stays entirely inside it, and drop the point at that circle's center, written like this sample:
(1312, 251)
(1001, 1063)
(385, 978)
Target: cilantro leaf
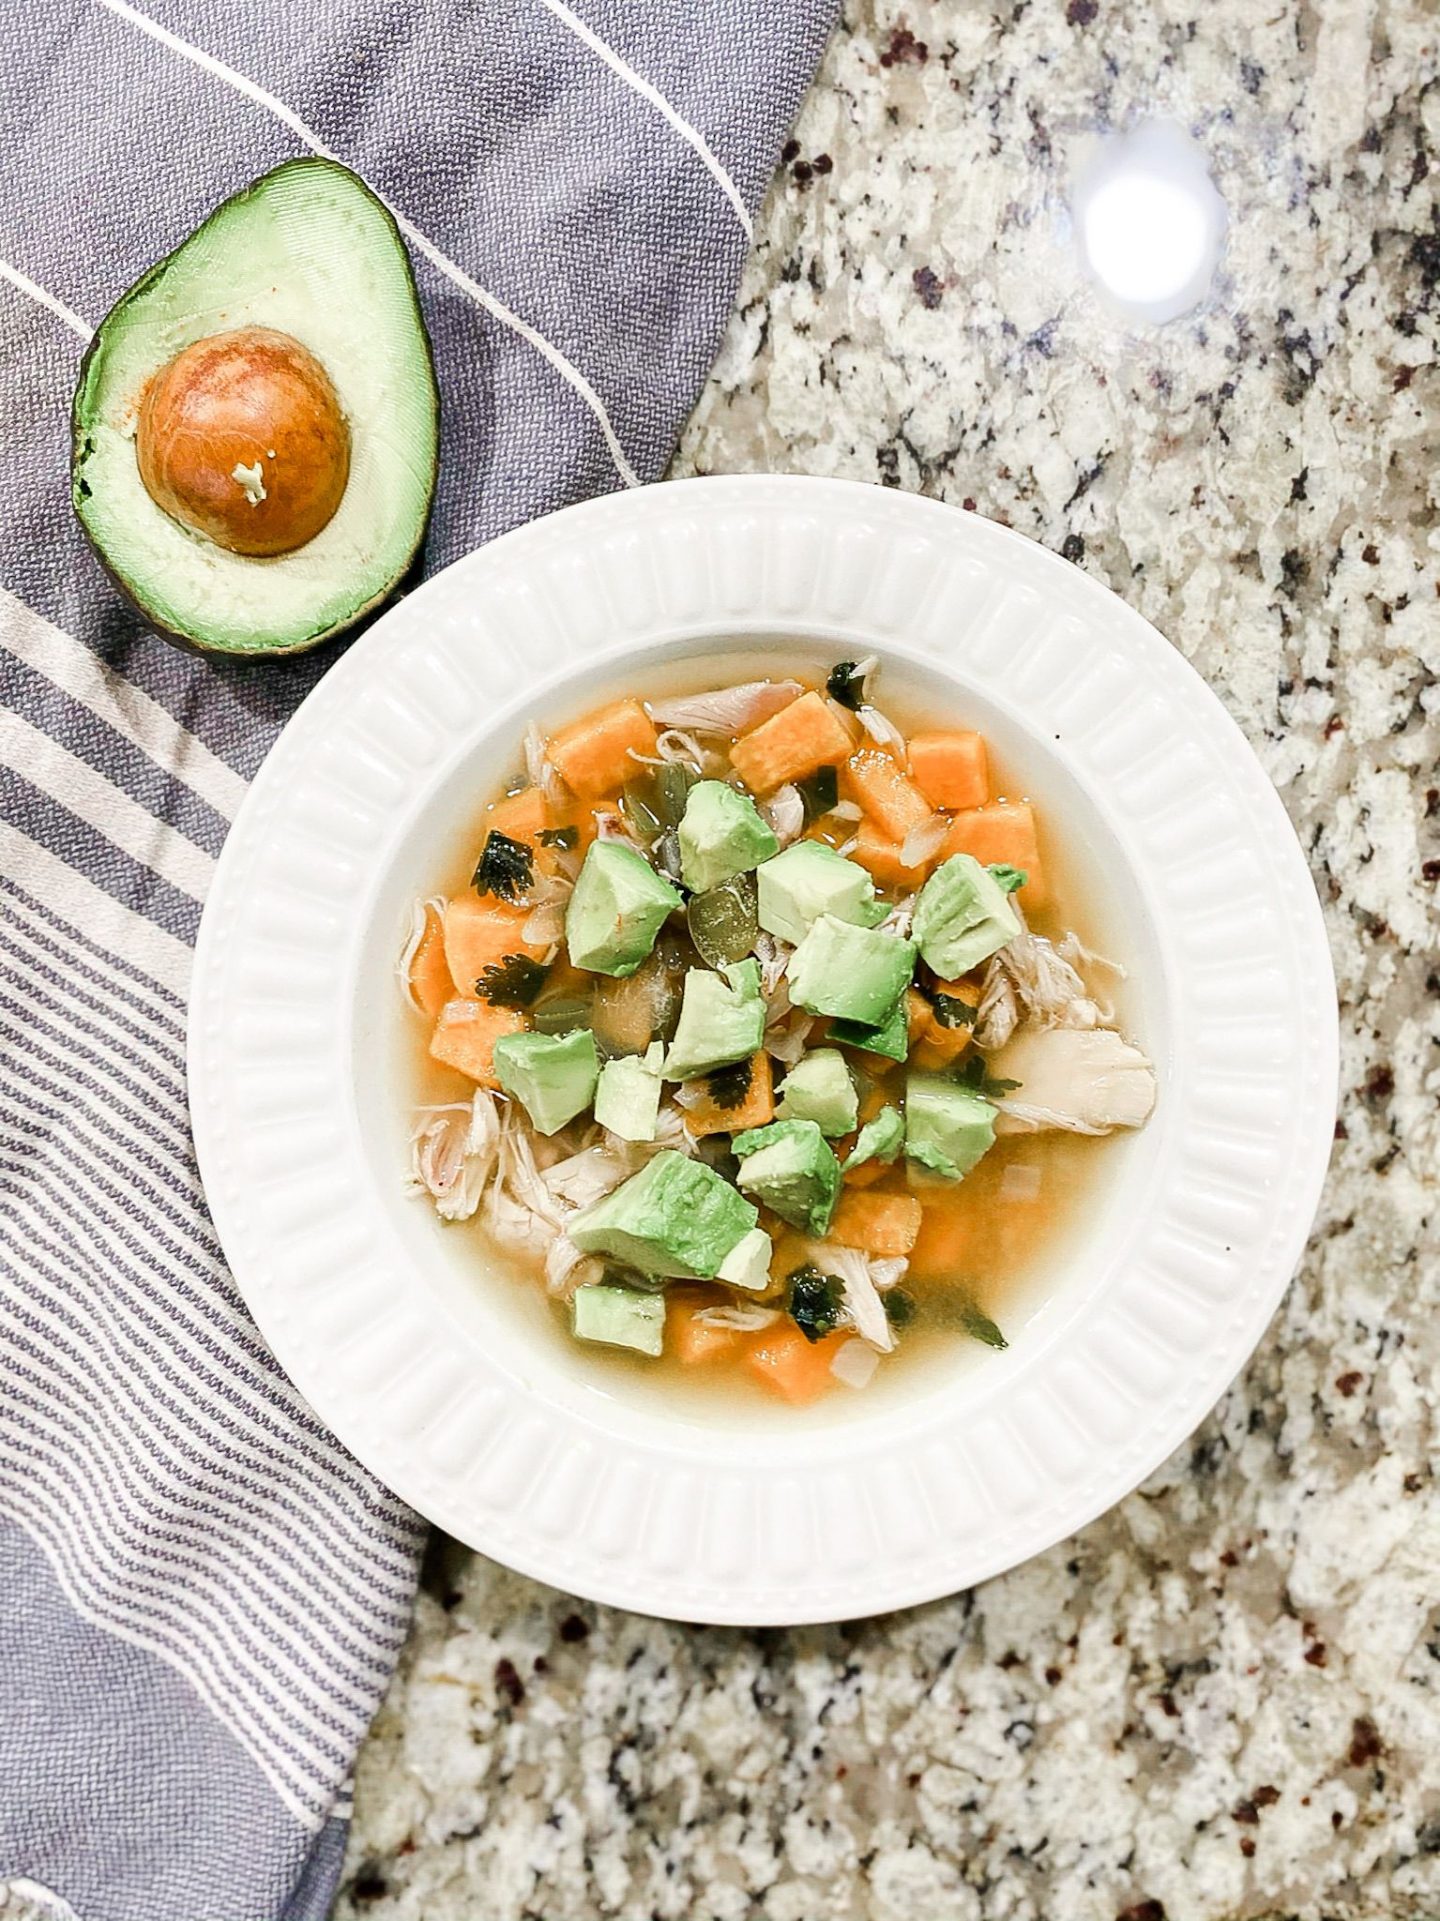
(951, 1011)
(819, 792)
(814, 1302)
(506, 869)
(978, 1324)
(560, 837)
(900, 1307)
(974, 1074)
(728, 1086)
(512, 982)
(1012, 879)
(846, 684)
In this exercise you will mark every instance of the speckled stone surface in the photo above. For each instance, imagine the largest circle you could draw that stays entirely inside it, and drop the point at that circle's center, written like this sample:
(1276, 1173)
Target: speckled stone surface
(1223, 1699)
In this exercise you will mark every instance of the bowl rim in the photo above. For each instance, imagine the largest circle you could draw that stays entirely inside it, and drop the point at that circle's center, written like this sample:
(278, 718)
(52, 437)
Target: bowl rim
(562, 1498)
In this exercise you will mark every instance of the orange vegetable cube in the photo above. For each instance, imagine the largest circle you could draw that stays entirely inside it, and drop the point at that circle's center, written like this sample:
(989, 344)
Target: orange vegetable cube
(880, 785)
(1001, 834)
(917, 1015)
(479, 933)
(465, 1037)
(521, 815)
(595, 755)
(946, 1246)
(880, 1224)
(880, 856)
(801, 737)
(690, 1340)
(791, 1366)
(951, 769)
(758, 1106)
(865, 1175)
(430, 981)
(938, 1046)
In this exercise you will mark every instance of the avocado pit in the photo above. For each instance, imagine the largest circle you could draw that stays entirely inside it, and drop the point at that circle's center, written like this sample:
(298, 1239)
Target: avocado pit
(241, 438)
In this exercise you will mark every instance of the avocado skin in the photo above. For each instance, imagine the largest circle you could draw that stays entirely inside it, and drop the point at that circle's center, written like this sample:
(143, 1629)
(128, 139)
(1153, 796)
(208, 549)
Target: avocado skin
(79, 432)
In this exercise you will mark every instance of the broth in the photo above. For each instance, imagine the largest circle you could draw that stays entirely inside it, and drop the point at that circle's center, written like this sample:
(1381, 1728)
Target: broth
(1005, 1226)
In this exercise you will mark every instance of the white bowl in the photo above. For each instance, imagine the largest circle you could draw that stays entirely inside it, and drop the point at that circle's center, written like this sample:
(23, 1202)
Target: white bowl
(444, 1381)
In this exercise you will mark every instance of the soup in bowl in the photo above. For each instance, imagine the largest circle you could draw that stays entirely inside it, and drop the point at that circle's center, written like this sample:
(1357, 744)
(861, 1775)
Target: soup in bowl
(766, 1032)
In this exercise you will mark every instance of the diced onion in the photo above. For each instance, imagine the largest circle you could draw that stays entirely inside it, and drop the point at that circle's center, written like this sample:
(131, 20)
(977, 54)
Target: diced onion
(855, 1363)
(922, 843)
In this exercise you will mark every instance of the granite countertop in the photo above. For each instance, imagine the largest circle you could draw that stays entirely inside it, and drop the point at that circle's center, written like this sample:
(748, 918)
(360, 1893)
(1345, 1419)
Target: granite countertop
(1222, 1699)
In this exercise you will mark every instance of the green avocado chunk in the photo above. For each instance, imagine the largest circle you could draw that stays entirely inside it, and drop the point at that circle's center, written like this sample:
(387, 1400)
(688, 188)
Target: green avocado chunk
(553, 1075)
(722, 1020)
(676, 1219)
(856, 973)
(791, 1167)
(617, 907)
(323, 488)
(721, 835)
(948, 1128)
(627, 1096)
(810, 879)
(619, 1317)
(962, 916)
(878, 1140)
(819, 1088)
(890, 1038)
(747, 1264)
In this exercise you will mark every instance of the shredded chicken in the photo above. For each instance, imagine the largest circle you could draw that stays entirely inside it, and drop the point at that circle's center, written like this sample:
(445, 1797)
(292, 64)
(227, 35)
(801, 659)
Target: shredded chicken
(610, 825)
(889, 1272)
(1086, 1081)
(784, 814)
(881, 729)
(673, 745)
(584, 1177)
(729, 711)
(900, 918)
(748, 1320)
(566, 1268)
(452, 1154)
(774, 957)
(1030, 980)
(786, 1040)
(539, 769)
(862, 1299)
(406, 959)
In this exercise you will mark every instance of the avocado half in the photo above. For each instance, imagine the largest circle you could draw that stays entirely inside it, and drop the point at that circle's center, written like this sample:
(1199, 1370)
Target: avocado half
(308, 255)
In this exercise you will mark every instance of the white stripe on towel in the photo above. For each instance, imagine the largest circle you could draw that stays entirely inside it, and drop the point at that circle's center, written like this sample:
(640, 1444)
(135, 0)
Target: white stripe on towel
(652, 95)
(77, 671)
(44, 298)
(252, 90)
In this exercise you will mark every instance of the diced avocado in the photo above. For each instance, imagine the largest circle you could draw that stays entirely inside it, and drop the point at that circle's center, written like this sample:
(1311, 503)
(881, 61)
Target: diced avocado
(721, 835)
(948, 1128)
(891, 1038)
(627, 1095)
(855, 972)
(619, 1317)
(819, 1088)
(748, 1262)
(722, 1019)
(618, 906)
(878, 1140)
(963, 915)
(790, 1166)
(553, 1075)
(810, 879)
(676, 1219)
(256, 423)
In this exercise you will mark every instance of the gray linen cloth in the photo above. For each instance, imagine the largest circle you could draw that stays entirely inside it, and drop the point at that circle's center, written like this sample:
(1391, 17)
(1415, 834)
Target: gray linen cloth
(201, 1594)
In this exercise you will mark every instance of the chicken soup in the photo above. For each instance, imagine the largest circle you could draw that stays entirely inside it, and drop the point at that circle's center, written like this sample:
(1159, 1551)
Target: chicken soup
(757, 1035)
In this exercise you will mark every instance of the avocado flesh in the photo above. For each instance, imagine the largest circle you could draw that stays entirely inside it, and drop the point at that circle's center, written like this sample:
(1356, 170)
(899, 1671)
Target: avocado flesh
(306, 250)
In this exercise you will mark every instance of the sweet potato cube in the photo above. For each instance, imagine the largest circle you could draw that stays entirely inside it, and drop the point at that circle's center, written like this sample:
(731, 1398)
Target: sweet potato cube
(784, 1361)
(758, 1107)
(946, 1244)
(595, 755)
(880, 856)
(521, 815)
(1001, 834)
(430, 981)
(689, 1339)
(465, 1037)
(951, 769)
(881, 1224)
(888, 796)
(480, 933)
(801, 737)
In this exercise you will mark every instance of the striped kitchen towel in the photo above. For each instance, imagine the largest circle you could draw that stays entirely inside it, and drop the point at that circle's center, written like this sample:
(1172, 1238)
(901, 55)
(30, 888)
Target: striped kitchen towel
(201, 1594)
